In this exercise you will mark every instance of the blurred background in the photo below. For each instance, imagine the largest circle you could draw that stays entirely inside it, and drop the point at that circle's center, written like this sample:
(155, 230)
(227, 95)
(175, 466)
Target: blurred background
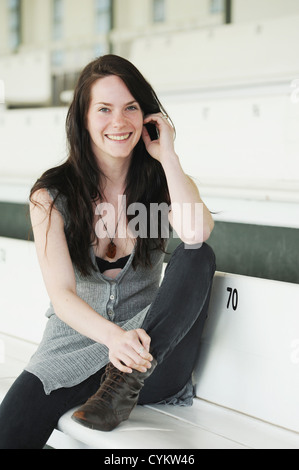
(227, 71)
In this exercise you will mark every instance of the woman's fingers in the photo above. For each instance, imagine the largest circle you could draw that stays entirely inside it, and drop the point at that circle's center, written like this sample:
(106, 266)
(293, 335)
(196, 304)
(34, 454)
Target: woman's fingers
(120, 365)
(145, 341)
(132, 352)
(158, 119)
(128, 364)
(163, 146)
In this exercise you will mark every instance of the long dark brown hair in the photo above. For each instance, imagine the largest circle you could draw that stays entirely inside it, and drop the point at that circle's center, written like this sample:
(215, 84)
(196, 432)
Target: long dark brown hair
(78, 179)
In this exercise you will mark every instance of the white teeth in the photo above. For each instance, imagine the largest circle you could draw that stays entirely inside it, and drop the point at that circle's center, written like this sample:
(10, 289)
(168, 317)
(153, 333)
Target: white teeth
(118, 137)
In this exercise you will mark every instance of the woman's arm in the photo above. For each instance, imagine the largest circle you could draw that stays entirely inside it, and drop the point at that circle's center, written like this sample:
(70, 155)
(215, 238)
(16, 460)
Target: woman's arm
(189, 216)
(59, 278)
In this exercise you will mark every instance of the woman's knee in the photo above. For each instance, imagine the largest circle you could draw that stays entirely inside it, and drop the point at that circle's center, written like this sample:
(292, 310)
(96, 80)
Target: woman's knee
(196, 257)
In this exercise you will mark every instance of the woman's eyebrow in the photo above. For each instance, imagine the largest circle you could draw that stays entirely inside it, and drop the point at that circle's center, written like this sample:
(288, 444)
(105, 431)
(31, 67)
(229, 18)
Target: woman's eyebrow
(110, 104)
(102, 103)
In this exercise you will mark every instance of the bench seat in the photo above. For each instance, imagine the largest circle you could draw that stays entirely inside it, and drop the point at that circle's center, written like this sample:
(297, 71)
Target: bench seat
(219, 417)
(246, 379)
(203, 426)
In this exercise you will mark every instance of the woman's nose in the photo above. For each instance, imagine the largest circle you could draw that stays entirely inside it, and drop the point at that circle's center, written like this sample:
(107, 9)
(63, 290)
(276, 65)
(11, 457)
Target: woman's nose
(118, 118)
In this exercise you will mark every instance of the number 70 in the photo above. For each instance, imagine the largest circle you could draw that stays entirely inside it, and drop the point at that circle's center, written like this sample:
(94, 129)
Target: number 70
(232, 298)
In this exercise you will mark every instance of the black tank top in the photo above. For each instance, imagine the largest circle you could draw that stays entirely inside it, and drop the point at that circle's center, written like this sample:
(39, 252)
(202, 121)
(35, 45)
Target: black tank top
(104, 265)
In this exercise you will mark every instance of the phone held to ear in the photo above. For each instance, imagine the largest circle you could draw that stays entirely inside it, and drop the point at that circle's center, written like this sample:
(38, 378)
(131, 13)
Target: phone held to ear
(152, 131)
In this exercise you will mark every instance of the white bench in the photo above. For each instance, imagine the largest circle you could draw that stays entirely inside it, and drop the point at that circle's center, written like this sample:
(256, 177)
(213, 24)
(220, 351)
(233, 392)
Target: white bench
(247, 376)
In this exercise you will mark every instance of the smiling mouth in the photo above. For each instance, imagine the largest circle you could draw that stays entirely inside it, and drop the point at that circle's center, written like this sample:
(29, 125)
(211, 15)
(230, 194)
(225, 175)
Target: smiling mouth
(119, 138)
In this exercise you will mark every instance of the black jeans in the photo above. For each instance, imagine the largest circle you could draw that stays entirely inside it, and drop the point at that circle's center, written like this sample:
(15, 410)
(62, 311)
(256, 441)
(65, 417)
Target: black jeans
(175, 322)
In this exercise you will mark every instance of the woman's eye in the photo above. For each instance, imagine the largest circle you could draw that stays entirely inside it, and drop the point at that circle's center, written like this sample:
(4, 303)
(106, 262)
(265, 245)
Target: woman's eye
(132, 108)
(104, 110)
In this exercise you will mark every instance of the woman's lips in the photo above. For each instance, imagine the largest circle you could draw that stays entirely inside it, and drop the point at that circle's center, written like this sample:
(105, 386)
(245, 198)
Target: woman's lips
(118, 137)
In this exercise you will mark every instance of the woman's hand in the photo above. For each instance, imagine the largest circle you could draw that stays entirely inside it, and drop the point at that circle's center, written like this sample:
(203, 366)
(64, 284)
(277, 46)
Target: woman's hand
(163, 147)
(189, 216)
(129, 350)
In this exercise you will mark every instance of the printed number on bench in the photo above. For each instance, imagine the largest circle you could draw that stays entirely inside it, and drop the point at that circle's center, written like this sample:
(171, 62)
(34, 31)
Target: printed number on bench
(232, 298)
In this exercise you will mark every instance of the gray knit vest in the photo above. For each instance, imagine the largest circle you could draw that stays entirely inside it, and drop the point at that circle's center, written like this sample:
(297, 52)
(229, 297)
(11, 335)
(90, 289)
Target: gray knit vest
(64, 357)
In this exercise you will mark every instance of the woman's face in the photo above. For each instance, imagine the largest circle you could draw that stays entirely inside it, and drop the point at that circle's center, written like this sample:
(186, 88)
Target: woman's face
(114, 119)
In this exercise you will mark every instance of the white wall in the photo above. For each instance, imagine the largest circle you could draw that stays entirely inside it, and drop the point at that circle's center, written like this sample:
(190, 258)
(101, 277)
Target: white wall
(36, 23)
(27, 78)
(137, 15)
(3, 28)
(248, 53)
(31, 141)
(257, 10)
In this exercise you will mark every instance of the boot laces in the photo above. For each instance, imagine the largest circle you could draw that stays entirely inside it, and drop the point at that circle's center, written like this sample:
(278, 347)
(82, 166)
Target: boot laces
(110, 381)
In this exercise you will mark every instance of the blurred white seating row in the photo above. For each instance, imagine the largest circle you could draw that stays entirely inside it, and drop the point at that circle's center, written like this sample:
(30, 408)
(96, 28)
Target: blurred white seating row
(238, 149)
(232, 92)
(240, 146)
(223, 56)
(215, 56)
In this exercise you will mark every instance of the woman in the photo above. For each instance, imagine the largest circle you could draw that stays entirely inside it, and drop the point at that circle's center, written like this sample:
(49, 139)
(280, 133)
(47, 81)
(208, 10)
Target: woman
(102, 264)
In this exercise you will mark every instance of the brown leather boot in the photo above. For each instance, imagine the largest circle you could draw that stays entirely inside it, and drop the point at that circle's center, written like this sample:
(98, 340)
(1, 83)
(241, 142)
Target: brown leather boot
(115, 399)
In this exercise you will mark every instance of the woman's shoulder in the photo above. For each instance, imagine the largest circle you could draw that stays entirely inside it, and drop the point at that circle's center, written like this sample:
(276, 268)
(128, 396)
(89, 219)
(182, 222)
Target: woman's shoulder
(41, 198)
(48, 199)
(51, 185)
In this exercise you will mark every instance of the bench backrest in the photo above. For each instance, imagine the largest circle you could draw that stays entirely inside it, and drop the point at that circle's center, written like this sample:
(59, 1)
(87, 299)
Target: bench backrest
(249, 357)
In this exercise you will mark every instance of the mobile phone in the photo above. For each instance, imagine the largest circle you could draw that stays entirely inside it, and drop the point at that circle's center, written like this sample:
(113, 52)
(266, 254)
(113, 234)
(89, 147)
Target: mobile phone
(152, 131)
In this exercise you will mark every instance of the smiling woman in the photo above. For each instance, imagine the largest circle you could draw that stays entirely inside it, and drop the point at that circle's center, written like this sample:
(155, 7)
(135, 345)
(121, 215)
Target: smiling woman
(115, 127)
(107, 305)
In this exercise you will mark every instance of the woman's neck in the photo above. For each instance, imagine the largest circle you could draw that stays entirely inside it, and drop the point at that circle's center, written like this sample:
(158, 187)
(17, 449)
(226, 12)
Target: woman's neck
(114, 180)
